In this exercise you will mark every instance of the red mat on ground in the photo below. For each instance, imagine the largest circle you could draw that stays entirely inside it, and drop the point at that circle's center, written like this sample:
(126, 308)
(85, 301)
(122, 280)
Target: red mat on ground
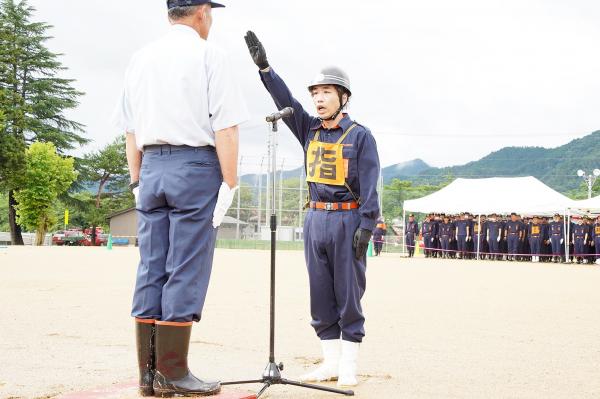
(129, 391)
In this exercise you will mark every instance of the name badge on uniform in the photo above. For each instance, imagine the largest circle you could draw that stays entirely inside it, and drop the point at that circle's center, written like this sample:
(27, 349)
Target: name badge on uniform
(325, 161)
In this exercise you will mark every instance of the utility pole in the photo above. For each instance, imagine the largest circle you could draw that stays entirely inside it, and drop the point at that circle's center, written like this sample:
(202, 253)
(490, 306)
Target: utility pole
(239, 194)
(589, 178)
(262, 160)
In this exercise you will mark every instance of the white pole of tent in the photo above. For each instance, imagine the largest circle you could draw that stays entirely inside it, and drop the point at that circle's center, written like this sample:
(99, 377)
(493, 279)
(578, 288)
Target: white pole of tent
(567, 230)
(478, 239)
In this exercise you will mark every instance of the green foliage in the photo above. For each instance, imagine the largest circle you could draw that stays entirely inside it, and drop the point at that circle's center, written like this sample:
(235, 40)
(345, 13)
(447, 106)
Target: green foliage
(46, 176)
(107, 171)
(582, 191)
(106, 167)
(35, 97)
(398, 191)
(4, 212)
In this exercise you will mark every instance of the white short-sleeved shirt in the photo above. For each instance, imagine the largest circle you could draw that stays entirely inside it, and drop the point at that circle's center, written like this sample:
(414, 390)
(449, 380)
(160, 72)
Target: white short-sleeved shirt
(179, 90)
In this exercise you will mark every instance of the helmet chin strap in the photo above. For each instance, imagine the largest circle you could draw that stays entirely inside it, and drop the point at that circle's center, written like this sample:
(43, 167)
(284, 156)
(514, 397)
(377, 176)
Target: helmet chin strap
(336, 113)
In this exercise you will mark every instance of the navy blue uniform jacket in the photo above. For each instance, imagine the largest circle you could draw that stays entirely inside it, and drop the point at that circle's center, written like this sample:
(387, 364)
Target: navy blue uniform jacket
(359, 148)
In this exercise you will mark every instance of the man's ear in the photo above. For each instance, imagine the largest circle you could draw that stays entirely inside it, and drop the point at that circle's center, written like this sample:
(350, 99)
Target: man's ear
(204, 11)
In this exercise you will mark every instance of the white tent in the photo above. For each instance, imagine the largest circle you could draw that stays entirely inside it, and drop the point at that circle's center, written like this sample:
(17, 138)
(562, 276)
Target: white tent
(524, 195)
(591, 205)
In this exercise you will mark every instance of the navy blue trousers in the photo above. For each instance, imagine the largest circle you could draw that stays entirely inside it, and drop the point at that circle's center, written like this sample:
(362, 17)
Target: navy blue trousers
(462, 243)
(597, 246)
(535, 245)
(513, 244)
(337, 280)
(494, 246)
(410, 243)
(445, 244)
(557, 247)
(580, 250)
(178, 194)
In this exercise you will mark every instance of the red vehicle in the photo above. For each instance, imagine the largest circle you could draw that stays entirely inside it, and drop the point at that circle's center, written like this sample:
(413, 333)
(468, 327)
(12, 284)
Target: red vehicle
(101, 239)
(68, 237)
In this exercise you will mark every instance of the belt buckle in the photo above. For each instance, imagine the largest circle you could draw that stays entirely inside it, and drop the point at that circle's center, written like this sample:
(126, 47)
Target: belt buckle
(329, 206)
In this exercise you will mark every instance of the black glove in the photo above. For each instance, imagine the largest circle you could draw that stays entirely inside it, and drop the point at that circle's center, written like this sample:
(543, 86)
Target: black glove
(361, 243)
(257, 51)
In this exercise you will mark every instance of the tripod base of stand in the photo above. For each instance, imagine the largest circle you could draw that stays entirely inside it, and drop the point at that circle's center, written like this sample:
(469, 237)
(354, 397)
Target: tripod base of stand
(272, 376)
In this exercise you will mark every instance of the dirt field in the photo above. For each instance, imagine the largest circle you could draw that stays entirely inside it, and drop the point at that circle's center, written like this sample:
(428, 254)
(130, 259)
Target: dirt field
(435, 329)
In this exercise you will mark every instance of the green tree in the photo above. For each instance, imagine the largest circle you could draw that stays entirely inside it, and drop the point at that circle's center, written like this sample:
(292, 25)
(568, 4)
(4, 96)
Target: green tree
(106, 168)
(34, 98)
(46, 176)
(3, 212)
(399, 191)
(247, 213)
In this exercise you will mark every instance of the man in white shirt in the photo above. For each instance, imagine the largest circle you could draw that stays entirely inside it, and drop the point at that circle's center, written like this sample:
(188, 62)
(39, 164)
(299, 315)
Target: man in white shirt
(180, 110)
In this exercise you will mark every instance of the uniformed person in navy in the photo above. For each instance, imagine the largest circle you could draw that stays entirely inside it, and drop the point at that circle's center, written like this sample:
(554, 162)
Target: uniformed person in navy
(379, 236)
(411, 233)
(596, 239)
(180, 109)
(557, 237)
(342, 169)
(463, 233)
(579, 236)
(535, 234)
(494, 236)
(446, 234)
(427, 230)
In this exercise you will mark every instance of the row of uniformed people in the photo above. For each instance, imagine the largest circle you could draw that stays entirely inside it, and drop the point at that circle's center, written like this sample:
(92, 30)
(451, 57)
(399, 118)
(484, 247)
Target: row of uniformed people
(538, 239)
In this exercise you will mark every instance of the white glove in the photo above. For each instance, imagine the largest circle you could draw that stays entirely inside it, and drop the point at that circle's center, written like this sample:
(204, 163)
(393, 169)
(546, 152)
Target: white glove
(432, 239)
(561, 240)
(224, 201)
(136, 195)
(499, 238)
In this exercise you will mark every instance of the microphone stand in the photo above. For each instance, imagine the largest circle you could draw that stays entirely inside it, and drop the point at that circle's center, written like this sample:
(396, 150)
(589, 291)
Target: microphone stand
(272, 373)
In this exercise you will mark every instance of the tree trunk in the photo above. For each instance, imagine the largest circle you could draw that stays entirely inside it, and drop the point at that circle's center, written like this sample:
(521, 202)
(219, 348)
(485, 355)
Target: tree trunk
(100, 189)
(93, 236)
(15, 230)
(40, 235)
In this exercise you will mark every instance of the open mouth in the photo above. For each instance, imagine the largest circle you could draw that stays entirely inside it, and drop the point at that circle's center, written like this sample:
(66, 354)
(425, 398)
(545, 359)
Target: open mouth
(321, 109)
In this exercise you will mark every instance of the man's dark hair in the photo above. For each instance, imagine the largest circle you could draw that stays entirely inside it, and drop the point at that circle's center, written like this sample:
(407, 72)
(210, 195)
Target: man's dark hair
(182, 12)
(341, 91)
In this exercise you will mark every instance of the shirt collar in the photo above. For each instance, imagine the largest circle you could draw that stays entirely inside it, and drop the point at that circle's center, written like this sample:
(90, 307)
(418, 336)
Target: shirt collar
(185, 29)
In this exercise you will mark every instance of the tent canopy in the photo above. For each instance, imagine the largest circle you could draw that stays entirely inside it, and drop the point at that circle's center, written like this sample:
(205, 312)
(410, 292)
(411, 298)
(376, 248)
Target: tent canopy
(524, 195)
(591, 205)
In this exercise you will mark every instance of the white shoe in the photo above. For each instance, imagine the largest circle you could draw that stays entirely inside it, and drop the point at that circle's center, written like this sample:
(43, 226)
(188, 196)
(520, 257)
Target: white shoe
(347, 374)
(328, 371)
(598, 261)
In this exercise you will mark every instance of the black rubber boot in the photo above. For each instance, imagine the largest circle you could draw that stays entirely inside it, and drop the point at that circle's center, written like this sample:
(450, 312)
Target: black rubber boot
(144, 336)
(172, 374)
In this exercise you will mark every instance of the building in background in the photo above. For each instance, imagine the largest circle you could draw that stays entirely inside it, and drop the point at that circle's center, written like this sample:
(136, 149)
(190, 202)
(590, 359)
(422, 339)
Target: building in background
(123, 227)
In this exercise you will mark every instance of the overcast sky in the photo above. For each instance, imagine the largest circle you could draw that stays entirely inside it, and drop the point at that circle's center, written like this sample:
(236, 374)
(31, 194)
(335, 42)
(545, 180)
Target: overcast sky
(445, 81)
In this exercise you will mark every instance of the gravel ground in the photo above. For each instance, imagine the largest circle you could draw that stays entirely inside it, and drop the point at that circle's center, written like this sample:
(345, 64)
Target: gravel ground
(435, 329)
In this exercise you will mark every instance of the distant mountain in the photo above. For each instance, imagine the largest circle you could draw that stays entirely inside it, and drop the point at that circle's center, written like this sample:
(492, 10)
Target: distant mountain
(401, 170)
(253, 179)
(404, 170)
(557, 167)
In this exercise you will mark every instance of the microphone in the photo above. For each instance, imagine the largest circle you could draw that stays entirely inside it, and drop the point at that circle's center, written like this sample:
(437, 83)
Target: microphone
(284, 113)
